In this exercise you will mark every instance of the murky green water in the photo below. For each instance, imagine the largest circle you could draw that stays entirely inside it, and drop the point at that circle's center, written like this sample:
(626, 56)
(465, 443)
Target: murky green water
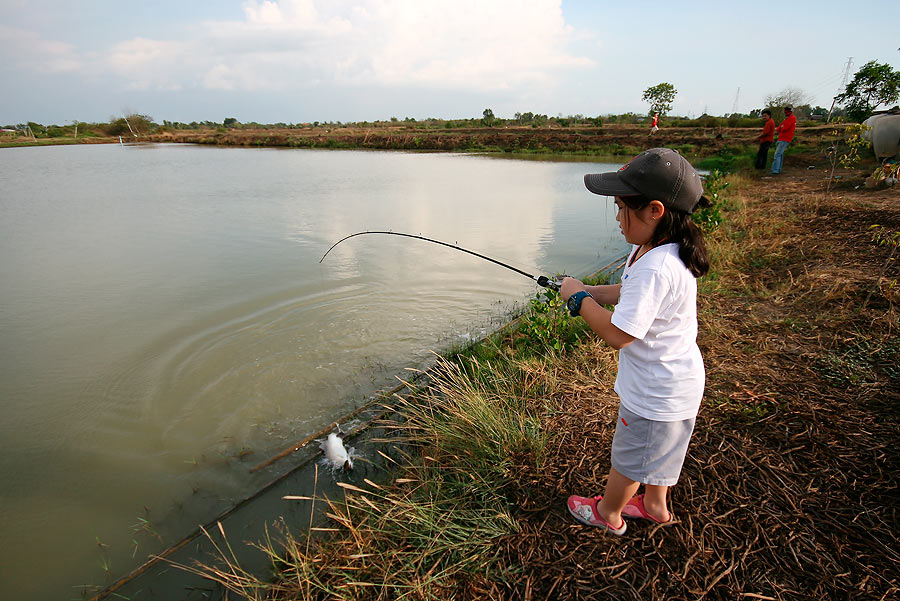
(165, 323)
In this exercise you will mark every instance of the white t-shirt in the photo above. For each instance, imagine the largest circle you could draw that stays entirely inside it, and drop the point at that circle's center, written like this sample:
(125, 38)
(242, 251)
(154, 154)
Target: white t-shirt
(661, 374)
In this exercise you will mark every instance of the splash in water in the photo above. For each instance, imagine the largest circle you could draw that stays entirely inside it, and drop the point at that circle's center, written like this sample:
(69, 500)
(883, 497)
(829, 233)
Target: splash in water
(336, 455)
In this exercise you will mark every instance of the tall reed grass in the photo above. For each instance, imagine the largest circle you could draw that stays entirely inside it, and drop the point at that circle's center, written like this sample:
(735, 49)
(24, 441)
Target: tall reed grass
(435, 528)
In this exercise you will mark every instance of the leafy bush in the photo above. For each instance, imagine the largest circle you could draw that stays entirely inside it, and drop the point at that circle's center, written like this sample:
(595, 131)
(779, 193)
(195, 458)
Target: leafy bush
(714, 187)
(138, 124)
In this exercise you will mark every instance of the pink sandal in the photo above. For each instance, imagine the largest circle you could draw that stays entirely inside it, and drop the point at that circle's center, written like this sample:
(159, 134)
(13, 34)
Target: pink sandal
(584, 509)
(635, 509)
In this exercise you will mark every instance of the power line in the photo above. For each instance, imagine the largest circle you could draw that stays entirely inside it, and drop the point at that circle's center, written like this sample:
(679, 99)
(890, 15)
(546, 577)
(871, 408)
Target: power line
(846, 75)
(841, 89)
(827, 83)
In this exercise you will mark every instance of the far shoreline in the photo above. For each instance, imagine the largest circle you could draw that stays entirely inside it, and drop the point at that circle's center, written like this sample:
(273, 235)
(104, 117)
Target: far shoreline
(706, 147)
(575, 143)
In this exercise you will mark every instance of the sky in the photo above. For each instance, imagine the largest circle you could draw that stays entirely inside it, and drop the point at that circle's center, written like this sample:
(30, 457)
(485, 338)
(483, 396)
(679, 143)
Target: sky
(299, 61)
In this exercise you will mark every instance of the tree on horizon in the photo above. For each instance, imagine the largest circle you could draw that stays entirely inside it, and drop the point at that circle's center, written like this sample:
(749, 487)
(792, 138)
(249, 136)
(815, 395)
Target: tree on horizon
(660, 98)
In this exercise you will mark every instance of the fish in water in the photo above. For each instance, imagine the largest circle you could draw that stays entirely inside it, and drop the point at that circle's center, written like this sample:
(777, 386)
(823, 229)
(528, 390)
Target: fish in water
(336, 455)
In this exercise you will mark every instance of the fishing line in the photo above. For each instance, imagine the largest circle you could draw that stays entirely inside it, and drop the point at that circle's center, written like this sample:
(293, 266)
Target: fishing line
(541, 280)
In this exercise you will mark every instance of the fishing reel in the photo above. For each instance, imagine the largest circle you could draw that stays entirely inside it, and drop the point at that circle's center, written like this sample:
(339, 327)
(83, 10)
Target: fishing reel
(546, 282)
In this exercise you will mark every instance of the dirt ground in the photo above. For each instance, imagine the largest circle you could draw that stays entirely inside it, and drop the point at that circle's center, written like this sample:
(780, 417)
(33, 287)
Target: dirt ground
(790, 487)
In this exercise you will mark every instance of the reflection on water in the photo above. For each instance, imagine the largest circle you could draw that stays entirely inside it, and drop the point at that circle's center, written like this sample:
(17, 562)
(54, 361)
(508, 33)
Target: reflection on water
(165, 323)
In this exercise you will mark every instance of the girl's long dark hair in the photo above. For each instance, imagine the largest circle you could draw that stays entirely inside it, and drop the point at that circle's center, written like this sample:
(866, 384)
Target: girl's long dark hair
(678, 227)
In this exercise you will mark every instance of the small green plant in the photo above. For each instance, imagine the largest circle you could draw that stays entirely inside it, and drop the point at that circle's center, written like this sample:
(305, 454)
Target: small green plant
(846, 148)
(105, 562)
(543, 320)
(855, 140)
(548, 327)
(709, 218)
(145, 526)
(727, 158)
(886, 174)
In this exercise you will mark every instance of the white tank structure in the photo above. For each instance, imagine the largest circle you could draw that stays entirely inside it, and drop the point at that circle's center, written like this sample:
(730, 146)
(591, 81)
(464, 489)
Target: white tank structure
(884, 133)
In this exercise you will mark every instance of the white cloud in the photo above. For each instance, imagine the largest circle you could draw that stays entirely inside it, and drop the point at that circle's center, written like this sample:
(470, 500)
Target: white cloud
(28, 51)
(287, 44)
(152, 64)
(354, 54)
(295, 14)
(465, 44)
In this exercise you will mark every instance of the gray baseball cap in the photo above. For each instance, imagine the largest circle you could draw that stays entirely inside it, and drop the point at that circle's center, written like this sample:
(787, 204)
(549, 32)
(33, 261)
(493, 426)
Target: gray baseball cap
(658, 174)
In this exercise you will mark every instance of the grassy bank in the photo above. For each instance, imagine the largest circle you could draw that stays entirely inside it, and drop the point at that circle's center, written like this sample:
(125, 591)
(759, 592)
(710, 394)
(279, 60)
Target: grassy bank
(585, 141)
(23, 142)
(789, 489)
(713, 146)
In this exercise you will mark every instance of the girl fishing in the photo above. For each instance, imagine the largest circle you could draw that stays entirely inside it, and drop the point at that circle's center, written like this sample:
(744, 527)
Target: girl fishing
(654, 325)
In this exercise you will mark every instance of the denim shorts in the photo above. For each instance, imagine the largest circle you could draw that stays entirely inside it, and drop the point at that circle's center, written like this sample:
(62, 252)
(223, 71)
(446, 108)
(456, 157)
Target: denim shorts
(649, 451)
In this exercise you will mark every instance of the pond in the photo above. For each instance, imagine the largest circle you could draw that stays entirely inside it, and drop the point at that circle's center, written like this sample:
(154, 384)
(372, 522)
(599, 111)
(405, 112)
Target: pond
(165, 322)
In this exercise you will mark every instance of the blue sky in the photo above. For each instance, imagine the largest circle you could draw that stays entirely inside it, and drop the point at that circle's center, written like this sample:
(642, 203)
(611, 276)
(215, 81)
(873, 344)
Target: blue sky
(299, 61)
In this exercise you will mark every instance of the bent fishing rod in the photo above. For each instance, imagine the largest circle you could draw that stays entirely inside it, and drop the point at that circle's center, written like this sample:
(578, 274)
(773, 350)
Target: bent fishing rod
(541, 280)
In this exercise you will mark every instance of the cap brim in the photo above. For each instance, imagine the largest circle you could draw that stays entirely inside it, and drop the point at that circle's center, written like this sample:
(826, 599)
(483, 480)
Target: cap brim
(702, 202)
(608, 184)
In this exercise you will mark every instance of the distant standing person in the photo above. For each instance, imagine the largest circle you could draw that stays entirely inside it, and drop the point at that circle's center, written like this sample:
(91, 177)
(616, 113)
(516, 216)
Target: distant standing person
(785, 135)
(765, 139)
(654, 127)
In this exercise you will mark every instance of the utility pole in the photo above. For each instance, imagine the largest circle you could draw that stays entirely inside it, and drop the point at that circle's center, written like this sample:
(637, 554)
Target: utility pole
(841, 89)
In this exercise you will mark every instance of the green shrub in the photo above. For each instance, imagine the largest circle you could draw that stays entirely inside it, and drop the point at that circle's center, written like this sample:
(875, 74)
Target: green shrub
(714, 186)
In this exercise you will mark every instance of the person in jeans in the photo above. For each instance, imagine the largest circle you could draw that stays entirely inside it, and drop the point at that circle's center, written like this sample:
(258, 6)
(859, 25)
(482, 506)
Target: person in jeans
(785, 136)
(765, 139)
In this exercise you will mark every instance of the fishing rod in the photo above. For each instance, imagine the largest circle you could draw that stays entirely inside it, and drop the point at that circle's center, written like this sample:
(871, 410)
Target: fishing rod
(541, 280)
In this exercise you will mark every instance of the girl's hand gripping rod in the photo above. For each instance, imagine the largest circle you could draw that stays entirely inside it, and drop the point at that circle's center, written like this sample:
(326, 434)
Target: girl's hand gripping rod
(546, 282)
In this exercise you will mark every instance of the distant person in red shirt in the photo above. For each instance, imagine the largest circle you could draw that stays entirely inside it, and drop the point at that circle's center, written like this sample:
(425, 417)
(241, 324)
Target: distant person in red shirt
(654, 127)
(765, 139)
(785, 135)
